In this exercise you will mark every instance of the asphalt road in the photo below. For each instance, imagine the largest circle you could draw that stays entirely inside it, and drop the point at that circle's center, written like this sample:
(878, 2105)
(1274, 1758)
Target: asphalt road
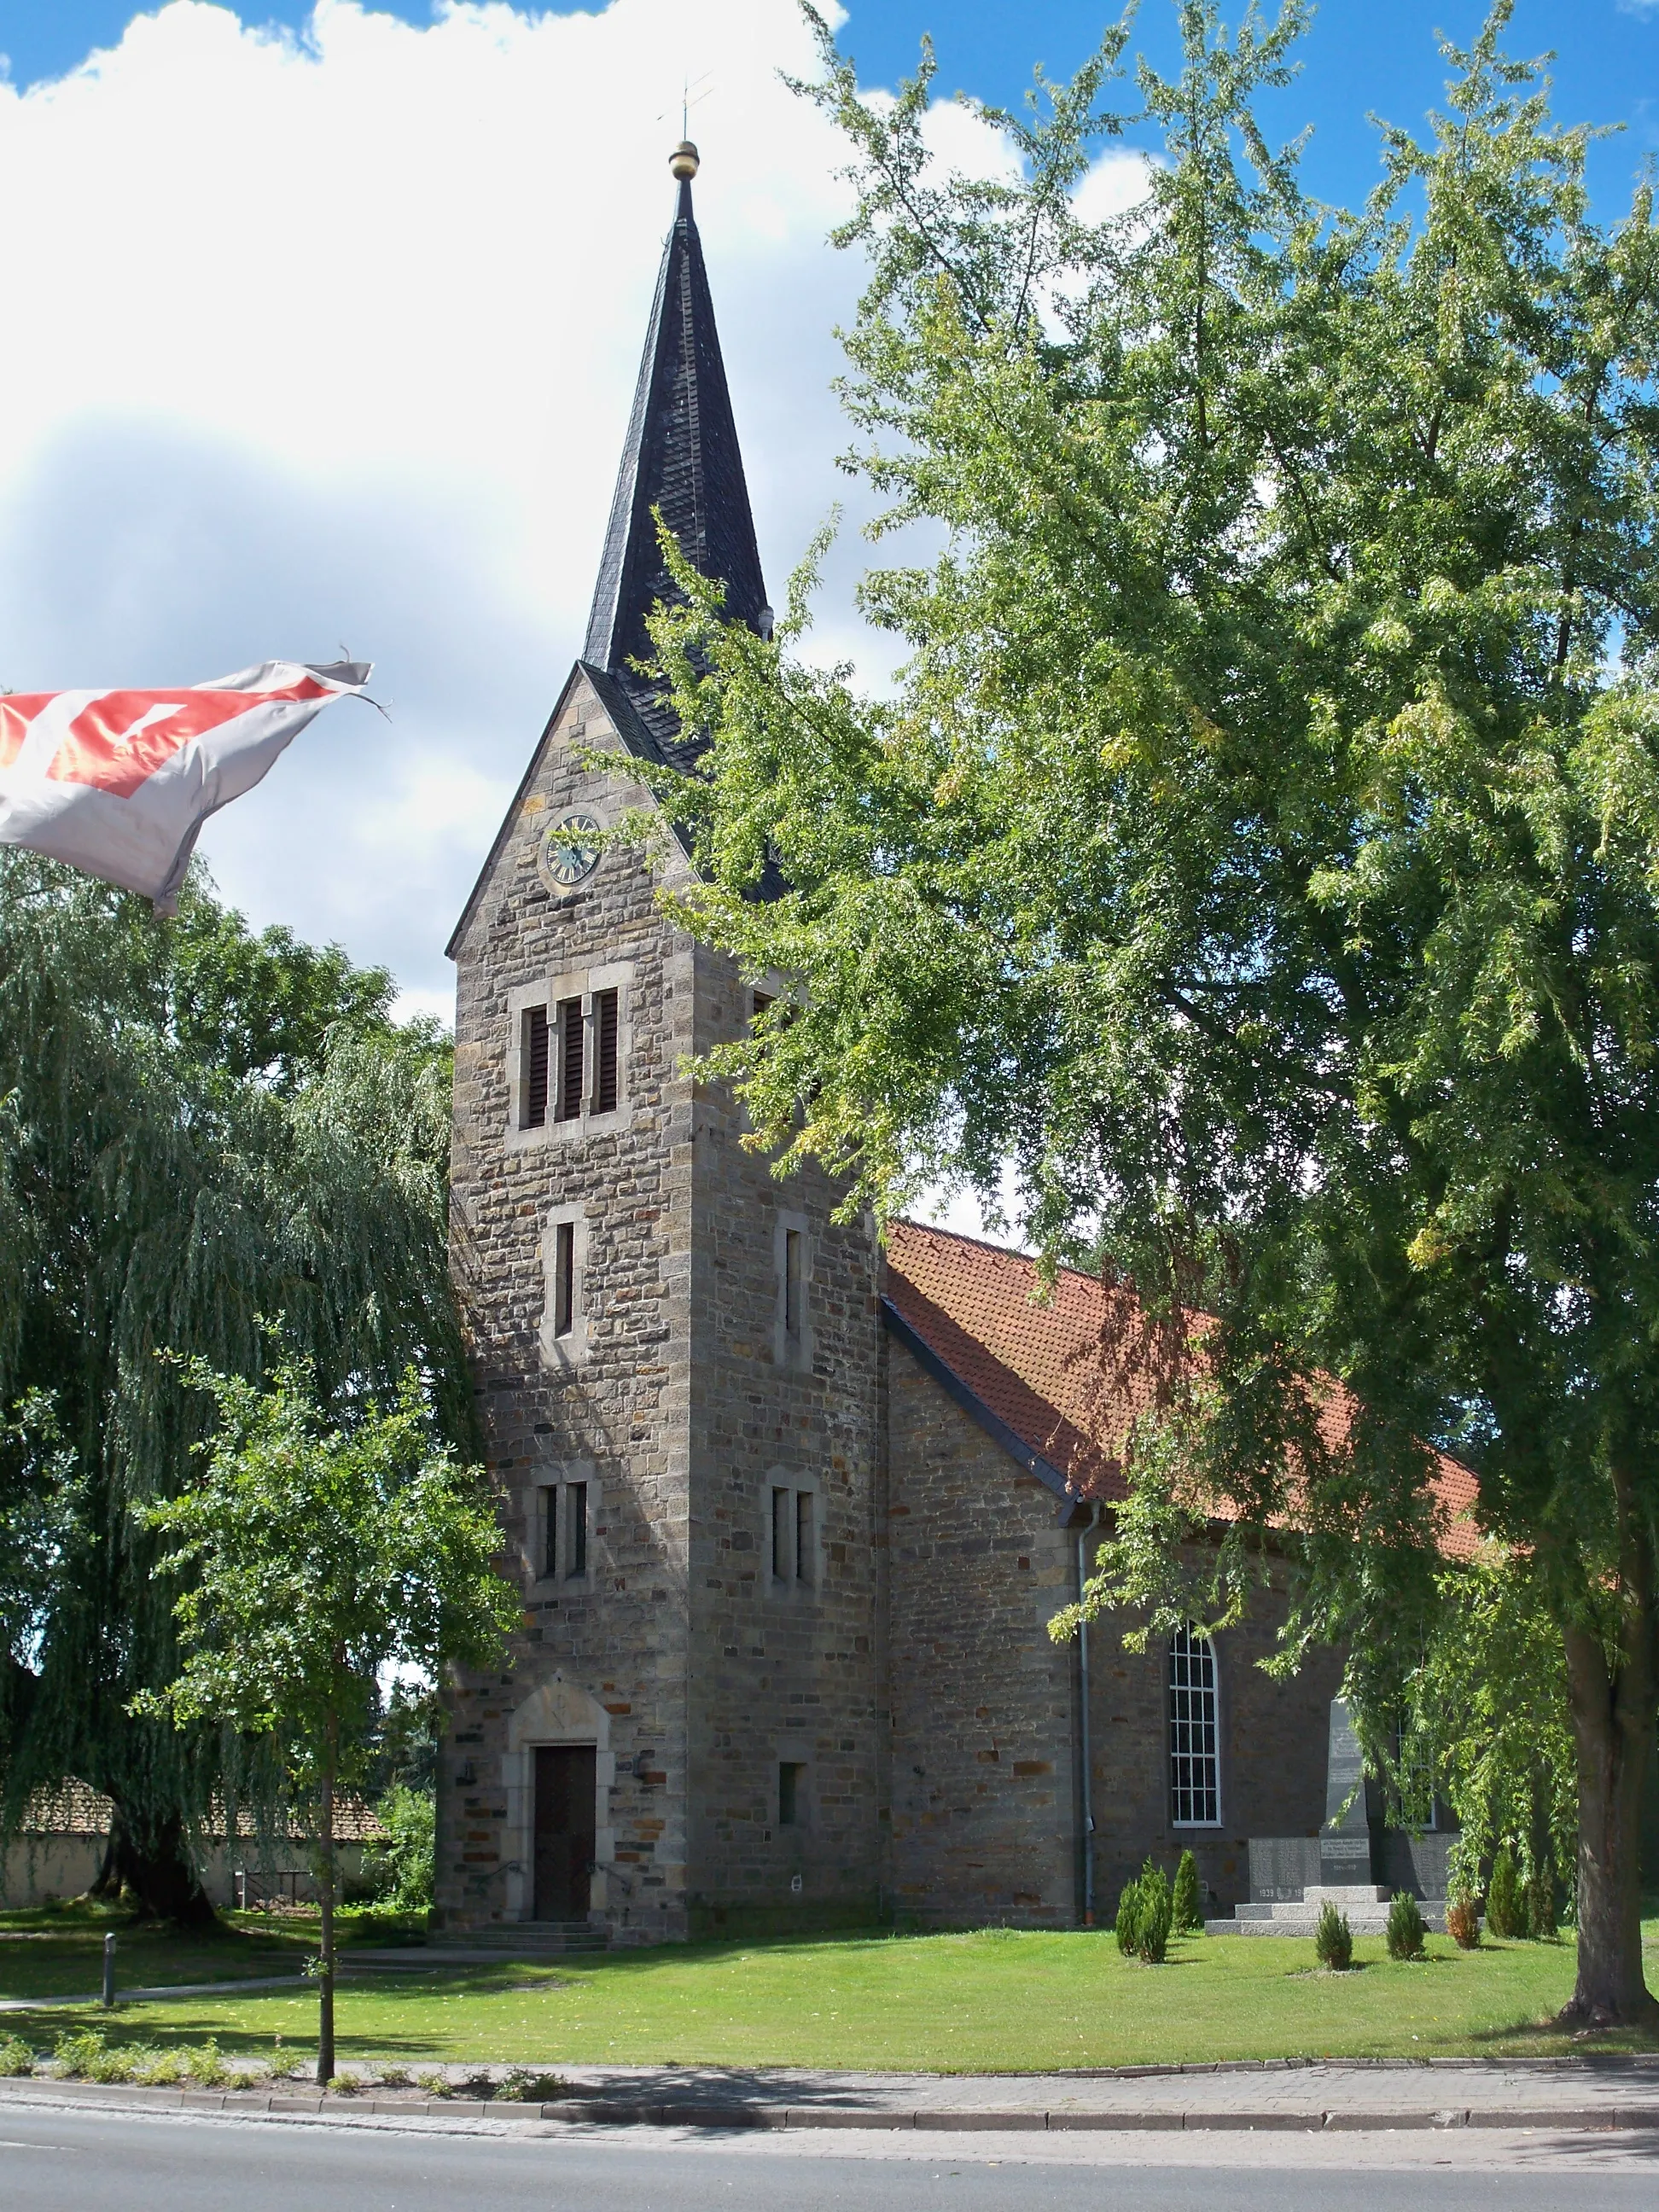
(57, 2161)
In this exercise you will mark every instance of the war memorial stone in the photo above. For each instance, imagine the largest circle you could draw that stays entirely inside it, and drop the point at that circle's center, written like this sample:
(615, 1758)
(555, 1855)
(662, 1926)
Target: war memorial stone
(1344, 1841)
(1352, 1863)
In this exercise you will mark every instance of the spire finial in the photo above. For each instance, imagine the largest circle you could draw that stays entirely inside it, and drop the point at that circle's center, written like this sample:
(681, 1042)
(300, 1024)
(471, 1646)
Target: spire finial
(683, 162)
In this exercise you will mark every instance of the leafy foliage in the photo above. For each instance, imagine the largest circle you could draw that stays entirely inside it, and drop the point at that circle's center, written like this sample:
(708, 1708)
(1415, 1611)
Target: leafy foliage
(317, 1554)
(1333, 1939)
(400, 1871)
(1487, 1717)
(1261, 845)
(197, 1126)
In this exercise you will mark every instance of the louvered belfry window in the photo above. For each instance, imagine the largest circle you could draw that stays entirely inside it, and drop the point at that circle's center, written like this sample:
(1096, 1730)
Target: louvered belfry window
(535, 1068)
(604, 1040)
(1195, 1736)
(570, 1060)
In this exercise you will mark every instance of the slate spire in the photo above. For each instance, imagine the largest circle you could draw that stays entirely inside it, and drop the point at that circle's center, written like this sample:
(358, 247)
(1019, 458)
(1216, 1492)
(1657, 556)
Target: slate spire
(682, 456)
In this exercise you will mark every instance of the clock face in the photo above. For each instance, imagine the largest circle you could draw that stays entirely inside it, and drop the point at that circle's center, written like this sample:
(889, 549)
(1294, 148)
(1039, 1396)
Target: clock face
(566, 855)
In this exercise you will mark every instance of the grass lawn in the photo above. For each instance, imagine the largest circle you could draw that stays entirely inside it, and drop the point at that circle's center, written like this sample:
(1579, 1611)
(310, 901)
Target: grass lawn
(996, 2001)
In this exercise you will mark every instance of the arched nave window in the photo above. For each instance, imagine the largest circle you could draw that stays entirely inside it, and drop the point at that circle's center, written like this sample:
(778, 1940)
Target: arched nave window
(1194, 1731)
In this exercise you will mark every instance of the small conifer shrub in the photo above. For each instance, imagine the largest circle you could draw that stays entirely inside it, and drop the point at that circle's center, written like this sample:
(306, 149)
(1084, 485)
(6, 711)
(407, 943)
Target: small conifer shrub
(1505, 1908)
(1156, 1914)
(1334, 1939)
(1185, 1904)
(1128, 1919)
(1462, 1921)
(1405, 1929)
(1540, 1903)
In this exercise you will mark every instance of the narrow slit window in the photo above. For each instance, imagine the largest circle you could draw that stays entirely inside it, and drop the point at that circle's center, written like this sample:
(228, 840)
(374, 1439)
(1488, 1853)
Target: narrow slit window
(1194, 1737)
(791, 1282)
(803, 1535)
(763, 1000)
(576, 1493)
(783, 1529)
(570, 1060)
(549, 1533)
(533, 1046)
(789, 1792)
(564, 1278)
(605, 1049)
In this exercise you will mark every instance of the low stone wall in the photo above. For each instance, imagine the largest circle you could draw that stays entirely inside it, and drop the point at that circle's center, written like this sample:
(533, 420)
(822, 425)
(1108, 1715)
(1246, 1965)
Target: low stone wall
(41, 1869)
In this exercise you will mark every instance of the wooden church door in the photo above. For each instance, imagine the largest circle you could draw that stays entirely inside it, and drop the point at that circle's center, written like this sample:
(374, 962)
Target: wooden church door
(565, 1780)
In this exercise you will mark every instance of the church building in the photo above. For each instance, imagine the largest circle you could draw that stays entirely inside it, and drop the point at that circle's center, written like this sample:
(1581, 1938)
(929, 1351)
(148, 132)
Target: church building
(791, 1510)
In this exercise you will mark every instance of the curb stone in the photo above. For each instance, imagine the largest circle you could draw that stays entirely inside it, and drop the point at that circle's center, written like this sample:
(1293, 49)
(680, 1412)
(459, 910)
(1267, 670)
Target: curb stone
(963, 2119)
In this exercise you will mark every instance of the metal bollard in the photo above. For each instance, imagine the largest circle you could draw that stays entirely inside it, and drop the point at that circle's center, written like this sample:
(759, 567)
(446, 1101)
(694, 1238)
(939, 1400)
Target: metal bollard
(109, 1972)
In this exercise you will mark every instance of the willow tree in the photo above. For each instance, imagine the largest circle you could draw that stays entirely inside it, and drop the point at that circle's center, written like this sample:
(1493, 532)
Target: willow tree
(1260, 847)
(199, 1129)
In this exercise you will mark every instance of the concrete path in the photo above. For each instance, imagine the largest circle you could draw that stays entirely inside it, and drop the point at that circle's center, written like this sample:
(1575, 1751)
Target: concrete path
(373, 1962)
(164, 1990)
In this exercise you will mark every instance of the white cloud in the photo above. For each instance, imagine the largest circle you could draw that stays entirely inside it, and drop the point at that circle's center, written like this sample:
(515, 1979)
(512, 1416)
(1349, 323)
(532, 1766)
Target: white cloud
(331, 340)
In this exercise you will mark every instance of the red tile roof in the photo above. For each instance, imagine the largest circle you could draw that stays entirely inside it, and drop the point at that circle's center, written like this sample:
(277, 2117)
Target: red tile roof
(1071, 1373)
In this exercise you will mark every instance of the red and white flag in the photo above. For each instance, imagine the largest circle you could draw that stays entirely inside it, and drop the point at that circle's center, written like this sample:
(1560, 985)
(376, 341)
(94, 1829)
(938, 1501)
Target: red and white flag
(119, 783)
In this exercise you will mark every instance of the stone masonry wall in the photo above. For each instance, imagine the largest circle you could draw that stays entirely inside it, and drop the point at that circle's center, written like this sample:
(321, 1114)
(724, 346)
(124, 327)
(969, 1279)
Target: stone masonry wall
(908, 1678)
(601, 1658)
(984, 1706)
(780, 1670)
(1272, 1758)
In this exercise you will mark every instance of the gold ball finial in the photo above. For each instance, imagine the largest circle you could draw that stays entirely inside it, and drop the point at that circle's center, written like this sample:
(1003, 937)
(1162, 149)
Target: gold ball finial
(683, 162)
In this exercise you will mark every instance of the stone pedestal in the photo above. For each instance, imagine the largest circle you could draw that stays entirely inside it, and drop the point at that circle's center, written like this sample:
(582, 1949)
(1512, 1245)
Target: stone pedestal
(1344, 1841)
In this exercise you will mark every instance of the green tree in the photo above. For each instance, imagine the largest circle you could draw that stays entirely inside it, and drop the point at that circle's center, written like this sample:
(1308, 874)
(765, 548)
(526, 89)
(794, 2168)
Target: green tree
(1260, 845)
(317, 1553)
(197, 1125)
(400, 1871)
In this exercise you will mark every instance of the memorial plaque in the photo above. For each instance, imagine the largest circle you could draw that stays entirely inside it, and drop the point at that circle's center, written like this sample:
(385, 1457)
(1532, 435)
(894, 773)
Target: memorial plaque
(1344, 1841)
(1281, 1866)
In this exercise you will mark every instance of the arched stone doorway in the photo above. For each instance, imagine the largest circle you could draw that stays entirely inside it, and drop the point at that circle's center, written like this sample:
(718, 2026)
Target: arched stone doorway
(558, 1770)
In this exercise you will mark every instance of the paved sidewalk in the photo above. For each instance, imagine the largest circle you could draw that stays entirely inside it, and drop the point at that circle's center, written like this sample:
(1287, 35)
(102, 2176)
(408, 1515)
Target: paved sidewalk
(1594, 2094)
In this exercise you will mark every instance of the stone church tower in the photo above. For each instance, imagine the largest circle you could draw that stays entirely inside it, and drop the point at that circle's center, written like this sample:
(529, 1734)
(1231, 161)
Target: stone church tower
(790, 1516)
(676, 1359)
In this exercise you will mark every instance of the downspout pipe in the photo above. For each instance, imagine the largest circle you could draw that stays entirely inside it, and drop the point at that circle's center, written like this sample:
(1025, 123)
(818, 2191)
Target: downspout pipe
(1086, 1809)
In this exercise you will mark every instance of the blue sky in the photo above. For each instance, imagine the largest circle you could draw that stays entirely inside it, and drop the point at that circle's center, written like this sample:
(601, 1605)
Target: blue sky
(331, 346)
(1362, 55)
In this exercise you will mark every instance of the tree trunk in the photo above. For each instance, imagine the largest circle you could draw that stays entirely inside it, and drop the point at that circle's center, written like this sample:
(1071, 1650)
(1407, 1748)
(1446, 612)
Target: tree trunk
(1614, 1716)
(325, 1894)
(148, 1862)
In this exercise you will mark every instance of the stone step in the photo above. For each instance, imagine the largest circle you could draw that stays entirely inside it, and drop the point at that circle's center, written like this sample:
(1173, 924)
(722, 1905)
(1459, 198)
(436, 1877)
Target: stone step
(1369, 1919)
(524, 1938)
